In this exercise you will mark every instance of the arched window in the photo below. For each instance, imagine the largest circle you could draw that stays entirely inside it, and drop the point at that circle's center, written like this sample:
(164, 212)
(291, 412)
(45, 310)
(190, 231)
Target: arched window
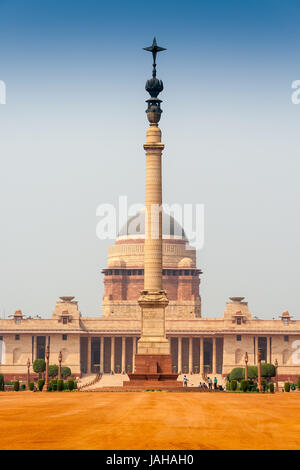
(238, 356)
(285, 356)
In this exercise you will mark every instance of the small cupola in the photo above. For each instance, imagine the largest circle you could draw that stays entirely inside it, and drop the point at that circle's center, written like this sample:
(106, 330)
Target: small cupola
(18, 316)
(286, 318)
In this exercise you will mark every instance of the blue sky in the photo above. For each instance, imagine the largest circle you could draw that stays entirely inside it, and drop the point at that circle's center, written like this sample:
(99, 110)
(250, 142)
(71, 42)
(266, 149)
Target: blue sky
(75, 73)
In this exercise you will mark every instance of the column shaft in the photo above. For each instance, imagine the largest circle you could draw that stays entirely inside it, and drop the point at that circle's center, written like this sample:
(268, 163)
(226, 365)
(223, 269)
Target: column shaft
(123, 354)
(179, 366)
(101, 355)
(214, 371)
(190, 355)
(89, 355)
(112, 355)
(201, 365)
(133, 353)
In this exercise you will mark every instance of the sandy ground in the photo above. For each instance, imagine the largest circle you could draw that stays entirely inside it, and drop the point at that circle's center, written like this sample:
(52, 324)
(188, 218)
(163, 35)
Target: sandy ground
(149, 421)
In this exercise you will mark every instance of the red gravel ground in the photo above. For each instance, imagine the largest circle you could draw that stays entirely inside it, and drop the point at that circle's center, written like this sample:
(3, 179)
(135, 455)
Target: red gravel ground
(149, 420)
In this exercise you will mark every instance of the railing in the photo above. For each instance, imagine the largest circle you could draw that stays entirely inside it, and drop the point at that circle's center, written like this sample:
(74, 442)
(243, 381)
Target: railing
(92, 382)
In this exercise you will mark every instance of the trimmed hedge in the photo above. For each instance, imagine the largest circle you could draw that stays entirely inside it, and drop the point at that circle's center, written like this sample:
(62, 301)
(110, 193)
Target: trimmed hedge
(287, 386)
(39, 366)
(65, 372)
(40, 384)
(31, 386)
(271, 387)
(60, 385)
(244, 385)
(233, 385)
(53, 370)
(16, 385)
(71, 384)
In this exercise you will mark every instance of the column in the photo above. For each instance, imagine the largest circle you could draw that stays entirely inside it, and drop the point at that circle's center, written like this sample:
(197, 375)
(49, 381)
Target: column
(179, 366)
(133, 353)
(89, 355)
(190, 355)
(101, 355)
(269, 359)
(112, 354)
(123, 354)
(214, 358)
(35, 347)
(254, 348)
(201, 365)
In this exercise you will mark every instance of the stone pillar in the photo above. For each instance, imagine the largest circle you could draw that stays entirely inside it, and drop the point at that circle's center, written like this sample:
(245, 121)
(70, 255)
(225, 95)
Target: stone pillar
(123, 355)
(101, 370)
(89, 355)
(201, 364)
(153, 299)
(179, 366)
(190, 355)
(133, 353)
(112, 355)
(214, 358)
(255, 343)
(259, 370)
(35, 348)
(269, 359)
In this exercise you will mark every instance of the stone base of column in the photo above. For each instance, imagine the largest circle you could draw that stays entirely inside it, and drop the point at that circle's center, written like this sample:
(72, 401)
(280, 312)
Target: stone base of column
(153, 370)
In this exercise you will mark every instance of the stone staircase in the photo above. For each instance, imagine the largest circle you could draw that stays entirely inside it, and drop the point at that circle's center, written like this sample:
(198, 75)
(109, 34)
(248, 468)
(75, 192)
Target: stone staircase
(87, 381)
(107, 381)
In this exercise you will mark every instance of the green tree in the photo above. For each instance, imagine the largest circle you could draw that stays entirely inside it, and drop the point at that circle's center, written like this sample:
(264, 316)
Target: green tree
(53, 370)
(252, 372)
(267, 370)
(238, 373)
(39, 366)
(65, 372)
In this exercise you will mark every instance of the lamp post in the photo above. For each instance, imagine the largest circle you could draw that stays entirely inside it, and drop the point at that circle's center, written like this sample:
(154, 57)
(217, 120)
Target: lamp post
(59, 364)
(47, 368)
(259, 369)
(276, 376)
(28, 372)
(246, 366)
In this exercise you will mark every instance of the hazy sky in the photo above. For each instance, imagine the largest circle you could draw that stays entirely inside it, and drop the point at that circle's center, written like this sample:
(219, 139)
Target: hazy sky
(72, 130)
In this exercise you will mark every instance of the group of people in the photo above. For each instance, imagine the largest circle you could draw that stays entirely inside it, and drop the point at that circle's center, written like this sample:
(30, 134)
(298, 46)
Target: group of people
(210, 385)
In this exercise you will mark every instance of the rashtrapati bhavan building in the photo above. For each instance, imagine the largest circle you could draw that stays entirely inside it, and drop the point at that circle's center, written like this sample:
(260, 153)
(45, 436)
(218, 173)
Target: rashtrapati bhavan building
(108, 342)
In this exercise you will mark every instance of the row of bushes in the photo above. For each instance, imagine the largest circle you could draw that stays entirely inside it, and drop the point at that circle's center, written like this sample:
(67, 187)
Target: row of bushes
(291, 386)
(39, 366)
(238, 373)
(56, 385)
(248, 386)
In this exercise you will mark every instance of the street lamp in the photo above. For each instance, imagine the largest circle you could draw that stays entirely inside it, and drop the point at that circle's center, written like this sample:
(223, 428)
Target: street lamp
(259, 369)
(276, 375)
(47, 368)
(246, 366)
(28, 372)
(59, 364)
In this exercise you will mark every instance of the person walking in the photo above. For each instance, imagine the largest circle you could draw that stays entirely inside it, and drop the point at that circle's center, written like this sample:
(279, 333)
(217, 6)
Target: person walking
(185, 381)
(209, 383)
(215, 383)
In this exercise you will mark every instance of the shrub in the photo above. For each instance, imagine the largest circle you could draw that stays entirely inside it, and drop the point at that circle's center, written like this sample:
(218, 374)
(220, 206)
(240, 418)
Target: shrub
(267, 370)
(53, 370)
(60, 385)
(40, 384)
(293, 387)
(53, 382)
(75, 385)
(39, 366)
(252, 372)
(233, 385)
(264, 385)
(23, 387)
(1, 382)
(65, 372)
(227, 385)
(16, 385)
(31, 386)
(298, 383)
(66, 386)
(54, 387)
(238, 373)
(271, 387)
(287, 386)
(244, 385)
(71, 384)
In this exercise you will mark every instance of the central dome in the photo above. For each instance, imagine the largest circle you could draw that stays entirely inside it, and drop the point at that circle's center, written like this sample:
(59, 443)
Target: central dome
(135, 227)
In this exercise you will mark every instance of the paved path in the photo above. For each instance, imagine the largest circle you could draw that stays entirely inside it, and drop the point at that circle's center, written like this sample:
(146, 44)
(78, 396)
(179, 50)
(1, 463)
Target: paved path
(147, 420)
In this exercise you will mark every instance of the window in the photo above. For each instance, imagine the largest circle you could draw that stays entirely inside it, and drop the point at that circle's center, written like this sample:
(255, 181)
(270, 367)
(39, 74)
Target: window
(238, 337)
(1, 338)
(285, 321)
(65, 320)
(286, 338)
(64, 337)
(17, 320)
(17, 337)
(238, 321)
